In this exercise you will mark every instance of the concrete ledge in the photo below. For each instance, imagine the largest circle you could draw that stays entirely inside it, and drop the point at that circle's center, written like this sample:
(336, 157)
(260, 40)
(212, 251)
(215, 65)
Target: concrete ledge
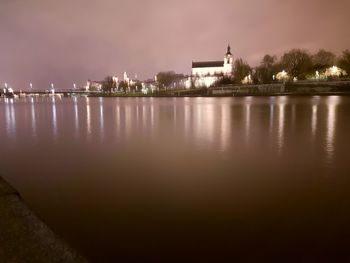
(5, 188)
(24, 237)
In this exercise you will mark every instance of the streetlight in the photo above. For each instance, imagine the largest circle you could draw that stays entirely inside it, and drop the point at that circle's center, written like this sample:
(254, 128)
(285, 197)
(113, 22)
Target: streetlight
(74, 86)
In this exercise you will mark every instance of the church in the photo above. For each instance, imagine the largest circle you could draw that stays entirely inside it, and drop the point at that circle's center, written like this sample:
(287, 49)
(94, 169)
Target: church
(206, 73)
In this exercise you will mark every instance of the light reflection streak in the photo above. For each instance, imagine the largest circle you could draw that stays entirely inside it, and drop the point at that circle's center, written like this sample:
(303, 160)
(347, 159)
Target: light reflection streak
(137, 115)
(152, 115)
(198, 122)
(175, 113)
(225, 127)
(281, 124)
(117, 115)
(293, 116)
(10, 117)
(247, 117)
(314, 118)
(76, 116)
(7, 116)
(144, 116)
(33, 117)
(128, 120)
(187, 116)
(209, 128)
(54, 117)
(314, 121)
(101, 119)
(272, 114)
(333, 102)
(88, 117)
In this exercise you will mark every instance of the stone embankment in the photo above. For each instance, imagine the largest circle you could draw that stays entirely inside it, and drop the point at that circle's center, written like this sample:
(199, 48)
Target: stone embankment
(297, 88)
(24, 237)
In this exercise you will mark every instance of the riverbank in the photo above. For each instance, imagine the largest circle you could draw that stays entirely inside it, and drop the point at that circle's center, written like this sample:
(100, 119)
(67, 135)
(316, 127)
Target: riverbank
(301, 88)
(24, 237)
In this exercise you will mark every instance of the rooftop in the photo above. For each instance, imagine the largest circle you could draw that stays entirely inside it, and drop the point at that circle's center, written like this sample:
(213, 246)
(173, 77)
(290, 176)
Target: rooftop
(207, 64)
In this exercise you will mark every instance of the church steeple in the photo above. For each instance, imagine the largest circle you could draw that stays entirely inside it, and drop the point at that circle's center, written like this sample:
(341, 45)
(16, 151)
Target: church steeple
(228, 56)
(228, 62)
(228, 50)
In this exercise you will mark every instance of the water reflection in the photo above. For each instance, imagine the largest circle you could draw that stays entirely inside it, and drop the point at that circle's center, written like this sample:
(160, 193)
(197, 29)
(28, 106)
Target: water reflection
(247, 102)
(152, 113)
(128, 120)
(117, 120)
(54, 117)
(225, 127)
(10, 117)
(219, 124)
(314, 120)
(187, 117)
(272, 115)
(144, 115)
(101, 118)
(76, 116)
(88, 118)
(214, 156)
(209, 127)
(282, 101)
(332, 104)
(199, 125)
(33, 117)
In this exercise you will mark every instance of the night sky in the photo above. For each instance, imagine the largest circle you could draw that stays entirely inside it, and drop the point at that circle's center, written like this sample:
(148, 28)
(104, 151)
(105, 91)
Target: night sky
(44, 41)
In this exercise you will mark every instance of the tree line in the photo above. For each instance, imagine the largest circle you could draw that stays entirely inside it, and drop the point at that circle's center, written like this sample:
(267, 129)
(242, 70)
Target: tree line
(298, 63)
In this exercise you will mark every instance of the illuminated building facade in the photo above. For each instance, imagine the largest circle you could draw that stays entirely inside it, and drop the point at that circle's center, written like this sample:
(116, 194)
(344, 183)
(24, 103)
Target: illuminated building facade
(206, 73)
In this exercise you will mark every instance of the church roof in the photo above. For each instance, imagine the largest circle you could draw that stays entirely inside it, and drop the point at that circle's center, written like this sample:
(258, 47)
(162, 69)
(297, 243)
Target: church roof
(208, 64)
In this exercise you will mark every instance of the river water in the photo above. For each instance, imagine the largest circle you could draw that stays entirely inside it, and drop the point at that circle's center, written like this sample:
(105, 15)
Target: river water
(184, 178)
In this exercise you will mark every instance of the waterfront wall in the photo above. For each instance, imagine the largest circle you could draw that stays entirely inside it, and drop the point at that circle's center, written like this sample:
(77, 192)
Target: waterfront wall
(298, 88)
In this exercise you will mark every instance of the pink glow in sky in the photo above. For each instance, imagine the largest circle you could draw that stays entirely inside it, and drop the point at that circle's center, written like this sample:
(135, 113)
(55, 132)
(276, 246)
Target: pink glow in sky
(68, 42)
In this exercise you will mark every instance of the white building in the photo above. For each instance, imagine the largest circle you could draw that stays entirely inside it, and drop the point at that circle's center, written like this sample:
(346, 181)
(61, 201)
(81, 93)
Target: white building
(92, 85)
(206, 73)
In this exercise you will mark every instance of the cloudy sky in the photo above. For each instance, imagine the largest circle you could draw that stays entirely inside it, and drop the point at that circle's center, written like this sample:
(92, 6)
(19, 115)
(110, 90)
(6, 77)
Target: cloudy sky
(67, 41)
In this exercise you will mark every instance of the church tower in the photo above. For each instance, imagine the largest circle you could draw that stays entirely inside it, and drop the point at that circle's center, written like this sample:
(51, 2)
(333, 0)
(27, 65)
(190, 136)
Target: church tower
(228, 62)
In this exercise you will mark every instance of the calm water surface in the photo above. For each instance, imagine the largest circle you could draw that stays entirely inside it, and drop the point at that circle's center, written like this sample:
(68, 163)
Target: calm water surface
(184, 178)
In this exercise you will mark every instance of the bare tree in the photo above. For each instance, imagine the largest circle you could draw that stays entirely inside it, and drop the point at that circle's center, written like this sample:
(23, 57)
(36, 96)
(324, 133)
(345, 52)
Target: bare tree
(267, 68)
(344, 61)
(323, 59)
(108, 84)
(297, 62)
(241, 69)
(167, 78)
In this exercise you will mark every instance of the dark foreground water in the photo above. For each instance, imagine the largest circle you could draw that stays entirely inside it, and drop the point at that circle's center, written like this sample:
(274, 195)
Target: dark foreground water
(185, 179)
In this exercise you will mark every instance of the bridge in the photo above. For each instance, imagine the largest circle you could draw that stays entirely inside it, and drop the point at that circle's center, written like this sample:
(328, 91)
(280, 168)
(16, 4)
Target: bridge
(64, 93)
